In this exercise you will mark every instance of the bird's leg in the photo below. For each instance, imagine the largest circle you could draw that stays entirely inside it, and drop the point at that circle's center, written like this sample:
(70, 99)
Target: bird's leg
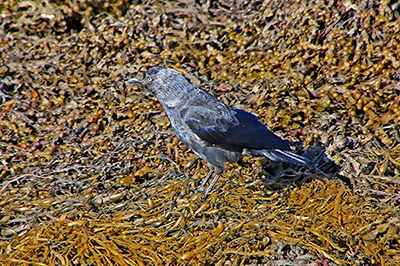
(205, 179)
(210, 186)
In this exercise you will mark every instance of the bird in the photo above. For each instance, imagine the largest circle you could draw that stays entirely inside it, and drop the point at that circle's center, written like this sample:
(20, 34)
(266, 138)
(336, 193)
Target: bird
(214, 131)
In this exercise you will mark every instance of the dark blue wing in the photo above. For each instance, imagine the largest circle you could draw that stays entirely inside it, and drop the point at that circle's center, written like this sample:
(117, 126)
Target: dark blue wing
(235, 132)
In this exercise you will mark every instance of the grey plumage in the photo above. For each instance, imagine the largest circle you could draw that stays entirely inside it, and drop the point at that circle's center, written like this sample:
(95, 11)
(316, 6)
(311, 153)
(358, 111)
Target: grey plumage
(214, 131)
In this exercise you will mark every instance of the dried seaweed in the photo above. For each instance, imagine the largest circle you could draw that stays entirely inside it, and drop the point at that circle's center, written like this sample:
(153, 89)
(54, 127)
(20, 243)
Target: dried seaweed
(91, 173)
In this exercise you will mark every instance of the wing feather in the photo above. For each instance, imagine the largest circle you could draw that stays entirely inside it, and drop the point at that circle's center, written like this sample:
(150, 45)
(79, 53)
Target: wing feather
(232, 132)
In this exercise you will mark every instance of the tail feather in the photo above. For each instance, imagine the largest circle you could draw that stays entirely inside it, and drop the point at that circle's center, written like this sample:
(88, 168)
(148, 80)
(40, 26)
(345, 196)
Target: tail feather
(288, 157)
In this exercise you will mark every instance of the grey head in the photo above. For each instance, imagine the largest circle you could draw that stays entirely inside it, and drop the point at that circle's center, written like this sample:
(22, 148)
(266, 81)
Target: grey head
(166, 84)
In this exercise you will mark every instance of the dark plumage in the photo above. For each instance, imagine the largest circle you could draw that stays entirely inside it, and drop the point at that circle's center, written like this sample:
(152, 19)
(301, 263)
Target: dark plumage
(214, 131)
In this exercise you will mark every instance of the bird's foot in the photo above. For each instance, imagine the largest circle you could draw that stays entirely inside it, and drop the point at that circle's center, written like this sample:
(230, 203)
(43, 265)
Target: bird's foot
(205, 195)
(200, 189)
(208, 191)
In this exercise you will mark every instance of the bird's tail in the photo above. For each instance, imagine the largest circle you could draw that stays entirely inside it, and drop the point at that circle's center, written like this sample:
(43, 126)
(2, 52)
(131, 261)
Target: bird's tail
(287, 157)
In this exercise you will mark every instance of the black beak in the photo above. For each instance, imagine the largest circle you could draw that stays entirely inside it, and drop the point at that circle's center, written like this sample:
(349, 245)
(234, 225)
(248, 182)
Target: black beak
(133, 80)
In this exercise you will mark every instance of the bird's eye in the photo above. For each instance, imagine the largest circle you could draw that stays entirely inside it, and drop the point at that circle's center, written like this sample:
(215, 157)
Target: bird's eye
(149, 79)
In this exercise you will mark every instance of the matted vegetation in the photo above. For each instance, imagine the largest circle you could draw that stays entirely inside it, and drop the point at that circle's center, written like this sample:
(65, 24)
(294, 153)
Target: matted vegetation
(92, 174)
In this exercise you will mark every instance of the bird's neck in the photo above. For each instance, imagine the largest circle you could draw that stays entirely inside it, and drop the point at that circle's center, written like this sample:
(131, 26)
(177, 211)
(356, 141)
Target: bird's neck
(175, 96)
